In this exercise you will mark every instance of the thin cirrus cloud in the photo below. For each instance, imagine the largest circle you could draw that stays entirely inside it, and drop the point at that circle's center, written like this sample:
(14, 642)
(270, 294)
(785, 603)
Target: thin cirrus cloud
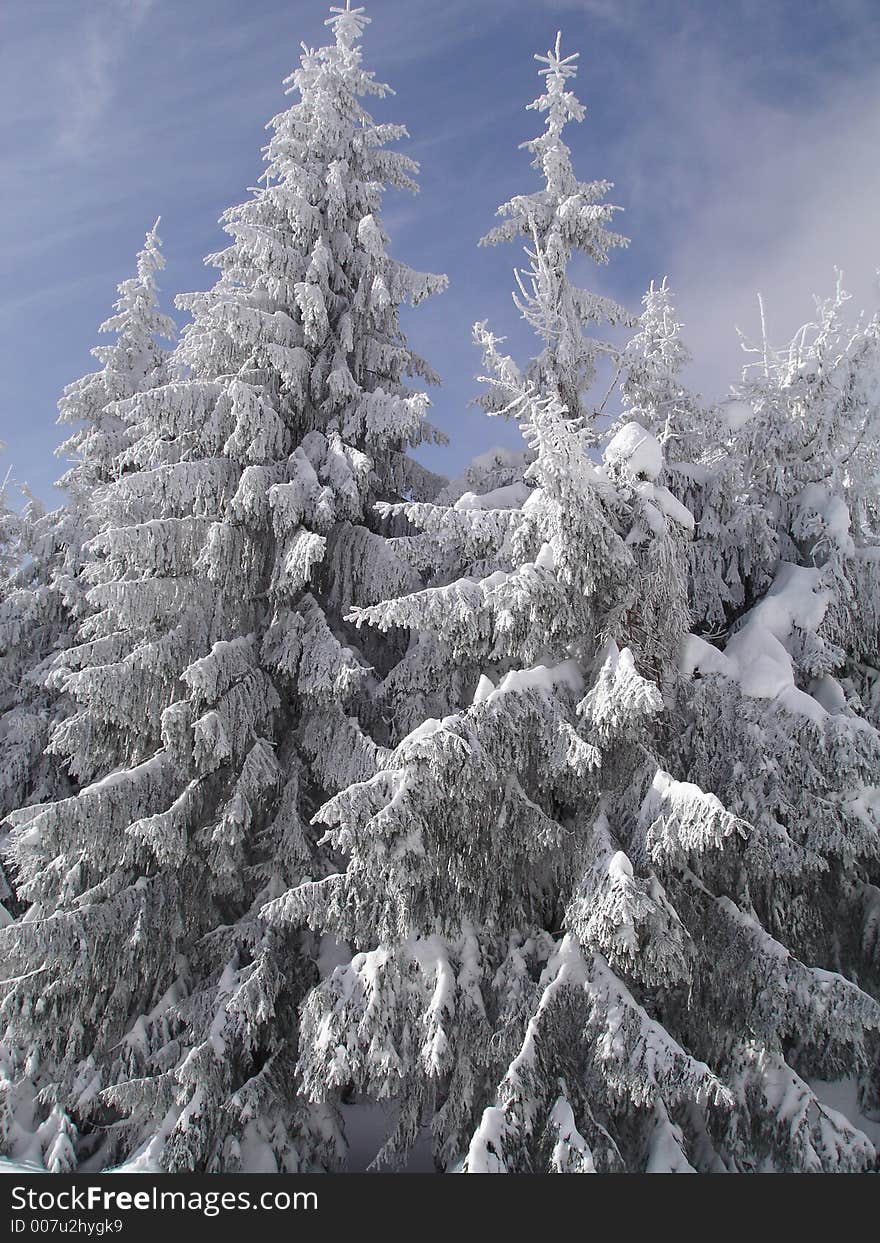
(91, 79)
(742, 140)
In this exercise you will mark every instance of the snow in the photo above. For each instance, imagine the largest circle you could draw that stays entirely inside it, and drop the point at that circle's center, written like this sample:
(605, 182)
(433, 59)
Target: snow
(829, 693)
(843, 1097)
(832, 512)
(763, 663)
(146, 1159)
(487, 1142)
(619, 866)
(794, 599)
(256, 1156)
(757, 656)
(143, 1161)
(758, 649)
(635, 450)
(697, 654)
(678, 816)
(485, 687)
(569, 1138)
(662, 499)
(425, 730)
(542, 678)
(865, 803)
(546, 558)
(21, 1167)
(799, 703)
(510, 497)
(673, 508)
(666, 1146)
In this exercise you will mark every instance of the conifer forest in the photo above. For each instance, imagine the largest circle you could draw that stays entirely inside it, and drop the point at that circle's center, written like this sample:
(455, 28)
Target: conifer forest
(526, 821)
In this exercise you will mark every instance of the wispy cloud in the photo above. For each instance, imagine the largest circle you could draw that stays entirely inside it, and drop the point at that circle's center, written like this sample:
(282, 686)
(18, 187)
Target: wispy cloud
(92, 75)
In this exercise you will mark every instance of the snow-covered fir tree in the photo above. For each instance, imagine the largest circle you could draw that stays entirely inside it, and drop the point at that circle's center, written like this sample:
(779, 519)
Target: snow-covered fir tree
(733, 549)
(45, 601)
(97, 449)
(566, 216)
(783, 714)
(34, 625)
(45, 597)
(567, 950)
(8, 527)
(217, 684)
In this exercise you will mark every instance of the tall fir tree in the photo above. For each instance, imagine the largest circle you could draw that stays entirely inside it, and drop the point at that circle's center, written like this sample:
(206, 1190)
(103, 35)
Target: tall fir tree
(45, 598)
(8, 527)
(559, 961)
(217, 683)
(566, 216)
(102, 437)
(783, 723)
(34, 626)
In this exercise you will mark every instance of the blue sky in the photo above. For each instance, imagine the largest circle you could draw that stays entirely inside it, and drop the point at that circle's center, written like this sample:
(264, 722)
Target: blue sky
(742, 139)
